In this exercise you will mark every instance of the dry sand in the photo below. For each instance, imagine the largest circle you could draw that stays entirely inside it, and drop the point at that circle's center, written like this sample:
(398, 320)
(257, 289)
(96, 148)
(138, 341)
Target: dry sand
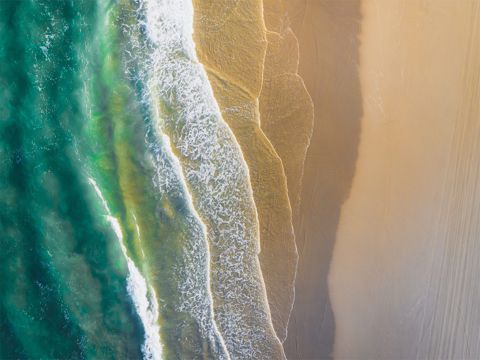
(404, 75)
(327, 32)
(405, 271)
(231, 43)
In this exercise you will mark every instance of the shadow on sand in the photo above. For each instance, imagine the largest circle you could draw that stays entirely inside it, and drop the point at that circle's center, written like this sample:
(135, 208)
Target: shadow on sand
(328, 34)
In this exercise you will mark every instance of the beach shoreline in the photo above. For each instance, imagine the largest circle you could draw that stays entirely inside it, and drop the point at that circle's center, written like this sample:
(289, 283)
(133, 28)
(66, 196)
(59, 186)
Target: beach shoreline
(327, 32)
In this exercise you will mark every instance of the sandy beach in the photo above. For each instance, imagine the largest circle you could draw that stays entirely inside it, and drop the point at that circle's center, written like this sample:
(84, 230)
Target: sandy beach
(382, 210)
(406, 254)
(327, 32)
(387, 241)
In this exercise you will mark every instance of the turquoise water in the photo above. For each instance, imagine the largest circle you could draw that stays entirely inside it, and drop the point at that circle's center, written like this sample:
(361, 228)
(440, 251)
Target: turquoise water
(118, 240)
(63, 275)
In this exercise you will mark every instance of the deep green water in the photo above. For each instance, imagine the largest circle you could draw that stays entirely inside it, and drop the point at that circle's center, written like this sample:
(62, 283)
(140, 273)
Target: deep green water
(62, 272)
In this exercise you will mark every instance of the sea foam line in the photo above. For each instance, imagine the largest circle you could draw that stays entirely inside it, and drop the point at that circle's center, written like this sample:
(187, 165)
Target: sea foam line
(216, 172)
(170, 179)
(191, 207)
(144, 297)
(196, 297)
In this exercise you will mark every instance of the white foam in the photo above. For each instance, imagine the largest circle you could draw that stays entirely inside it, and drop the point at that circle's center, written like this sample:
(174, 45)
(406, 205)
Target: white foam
(212, 165)
(194, 276)
(200, 237)
(144, 298)
(193, 266)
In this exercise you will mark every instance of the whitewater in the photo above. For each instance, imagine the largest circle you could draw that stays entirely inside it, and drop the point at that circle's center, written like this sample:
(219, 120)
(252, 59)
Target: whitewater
(144, 298)
(200, 157)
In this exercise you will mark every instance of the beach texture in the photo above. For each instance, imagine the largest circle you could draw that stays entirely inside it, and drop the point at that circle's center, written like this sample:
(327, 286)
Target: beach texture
(328, 36)
(233, 53)
(406, 256)
(387, 236)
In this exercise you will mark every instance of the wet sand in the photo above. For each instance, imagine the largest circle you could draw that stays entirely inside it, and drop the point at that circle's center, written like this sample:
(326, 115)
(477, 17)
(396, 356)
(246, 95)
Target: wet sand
(231, 43)
(286, 108)
(404, 275)
(327, 32)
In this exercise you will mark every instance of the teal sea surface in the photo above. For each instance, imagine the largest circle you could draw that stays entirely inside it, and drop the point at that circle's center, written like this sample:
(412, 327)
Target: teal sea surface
(118, 237)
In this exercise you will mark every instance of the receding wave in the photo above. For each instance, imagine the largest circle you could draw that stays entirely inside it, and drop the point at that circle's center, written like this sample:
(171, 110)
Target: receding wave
(181, 99)
(164, 235)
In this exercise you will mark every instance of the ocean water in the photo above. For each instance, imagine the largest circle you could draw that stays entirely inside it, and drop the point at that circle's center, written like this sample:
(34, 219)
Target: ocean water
(127, 225)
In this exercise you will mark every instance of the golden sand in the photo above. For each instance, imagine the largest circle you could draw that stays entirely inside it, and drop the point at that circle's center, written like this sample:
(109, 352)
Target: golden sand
(230, 39)
(405, 271)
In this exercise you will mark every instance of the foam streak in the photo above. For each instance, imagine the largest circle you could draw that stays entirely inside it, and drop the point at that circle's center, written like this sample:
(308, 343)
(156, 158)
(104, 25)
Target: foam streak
(144, 298)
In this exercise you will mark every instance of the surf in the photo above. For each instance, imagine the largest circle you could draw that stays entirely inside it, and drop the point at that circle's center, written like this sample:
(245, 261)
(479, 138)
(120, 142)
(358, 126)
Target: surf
(211, 162)
(143, 297)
